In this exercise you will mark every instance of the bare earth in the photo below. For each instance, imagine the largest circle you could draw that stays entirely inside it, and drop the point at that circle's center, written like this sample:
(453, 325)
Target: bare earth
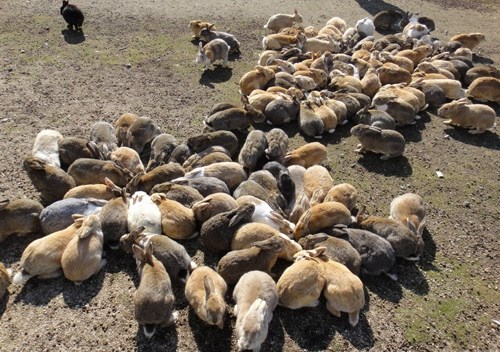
(49, 79)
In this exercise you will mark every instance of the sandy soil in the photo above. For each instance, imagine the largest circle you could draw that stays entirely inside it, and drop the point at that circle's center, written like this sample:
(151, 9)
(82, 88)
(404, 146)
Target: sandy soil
(137, 57)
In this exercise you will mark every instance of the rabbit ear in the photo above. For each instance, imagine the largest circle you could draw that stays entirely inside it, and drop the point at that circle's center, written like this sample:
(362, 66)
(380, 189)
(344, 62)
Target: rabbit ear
(200, 47)
(318, 251)
(236, 219)
(208, 283)
(360, 215)
(85, 231)
(375, 129)
(37, 164)
(412, 226)
(3, 203)
(421, 227)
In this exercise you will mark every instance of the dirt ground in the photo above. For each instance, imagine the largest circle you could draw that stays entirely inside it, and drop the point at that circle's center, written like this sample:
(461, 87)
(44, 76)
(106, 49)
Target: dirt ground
(137, 56)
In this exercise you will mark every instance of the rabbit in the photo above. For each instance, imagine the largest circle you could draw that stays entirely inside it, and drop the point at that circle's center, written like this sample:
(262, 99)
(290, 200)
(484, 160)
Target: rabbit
(336, 249)
(82, 257)
(183, 194)
(389, 143)
(212, 205)
(122, 124)
(282, 111)
(205, 290)
(405, 240)
(481, 71)
(142, 211)
(287, 80)
(264, 214)
(235, 118)
(476, 117)
(214, 50)
(171, 254)
(389, 20)
(261, 256)
(485, 89)
(72, 148)
(196, 160)
(72, 15)
(231, 173)
(146, 181)
(317, 177)
(46, 147)
(98, 191)
(177, 221)
(409, 206)
(286, 186)
(141, 132)
(252, 150)
(376, 118)
(255, 79)
(403, 60)
(254, 189)
(365, 27)
(153, 299)
(127, 158)
(267, 181)
(277, 144)
(255, 296)
(318, 45)
(307, 155)
(217, 232)
(226, 139)
(5, 279)
(51, 181)
(309, 122)
(344, 193)
(103, 134)
(321, 216)
(352, 104)
(208, 35)
(377, 254)
(416, 55)
(299, 206)
(468, 40)
(399, 94)
(58, 215)
(114, 216)
(370, 83)
(327, 115)
(253, 232)
(197, 25)
(203, 184)
(42, 257)
(390, 73)
(279, 21)
(91, 171)
(319, 76)
(279, 41)
(415, 30)
(401, 111)
(343, 290)
(259, 98)
(162, 147)
(301, 283)
(19, 216)
(305, 83)
(452, 88)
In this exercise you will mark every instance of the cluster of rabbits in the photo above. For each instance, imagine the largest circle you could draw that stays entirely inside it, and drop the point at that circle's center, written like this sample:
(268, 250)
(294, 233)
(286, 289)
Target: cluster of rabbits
(325, 78)
(250, 206)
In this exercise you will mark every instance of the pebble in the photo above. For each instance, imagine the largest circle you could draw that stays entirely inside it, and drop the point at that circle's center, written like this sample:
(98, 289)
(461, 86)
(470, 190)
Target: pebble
(128, 65)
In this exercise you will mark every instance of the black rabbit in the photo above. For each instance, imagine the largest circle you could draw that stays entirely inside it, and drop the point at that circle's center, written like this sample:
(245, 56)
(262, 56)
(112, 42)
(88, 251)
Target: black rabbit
(72, 15)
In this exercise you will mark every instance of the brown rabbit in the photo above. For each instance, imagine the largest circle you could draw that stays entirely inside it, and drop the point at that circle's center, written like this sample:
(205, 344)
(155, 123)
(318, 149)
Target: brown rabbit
(20, 216)
(322, 216)
(4, 280)
(409, 206)
(205, 290)
(153, 299)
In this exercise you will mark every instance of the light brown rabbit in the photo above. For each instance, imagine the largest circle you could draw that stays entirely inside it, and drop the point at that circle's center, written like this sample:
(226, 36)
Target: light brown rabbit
(205, 290)
(317, 177)
(409, 206)
(231, 173)
(82, 257)
(485, 89)
(476, 117)
(177, 221)
(261, 256)
(322, 216)
(468, 40)
(98, 191)
(122, 124)
(301, 284)
(19, 216)
(4, 280)
(127, 158)
(307, 155)
(146, 181)
(42, 257)
(255, 79)
(279, 21)
(153, 299)
(197, 25)
(389, 143)
(344, 193)
(212, 205)
(92, 171)
(255, 296)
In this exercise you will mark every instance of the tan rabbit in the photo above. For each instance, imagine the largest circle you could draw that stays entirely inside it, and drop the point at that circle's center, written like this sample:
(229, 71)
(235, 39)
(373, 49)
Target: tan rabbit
(231, 173)
(255, 296)
(255, 79)
(317, 177)
(42, 257)
(5, 280)
(127, 158)
(409, 206)
(261, 256)
(476, 117)
(322, 216)
(279, 21)
(307, 155)
(98, 191)
(212, 205)
(344, 193)
(146, 181)
(205, 290)
(82, 257)
(197, 25)
(177, 221)
(301, 284)
(153, 299)
(122, 124)
(485, 89)
(469, 40)
(20, 216)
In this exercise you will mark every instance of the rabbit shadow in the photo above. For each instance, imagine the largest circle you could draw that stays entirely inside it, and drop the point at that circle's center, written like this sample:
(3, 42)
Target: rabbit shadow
(219, 74)
(38, 292)
(207, 336)
(76, 296)
(412, 278)
(413, 133)
(482, 60)
(399, 166)
(314, 334)
(165, 339)
(361, 335)
(13, 247)
(276, 337)
(3, 303)
(429, 256)
(341, 132)
(73, 36)
(384, 287)
(375, 6)
(488, 139)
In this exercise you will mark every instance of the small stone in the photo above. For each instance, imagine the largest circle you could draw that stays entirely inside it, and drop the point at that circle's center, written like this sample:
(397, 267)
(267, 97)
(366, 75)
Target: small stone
(446, 136)
(128, 65)
(467, 204)
(439, 174)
